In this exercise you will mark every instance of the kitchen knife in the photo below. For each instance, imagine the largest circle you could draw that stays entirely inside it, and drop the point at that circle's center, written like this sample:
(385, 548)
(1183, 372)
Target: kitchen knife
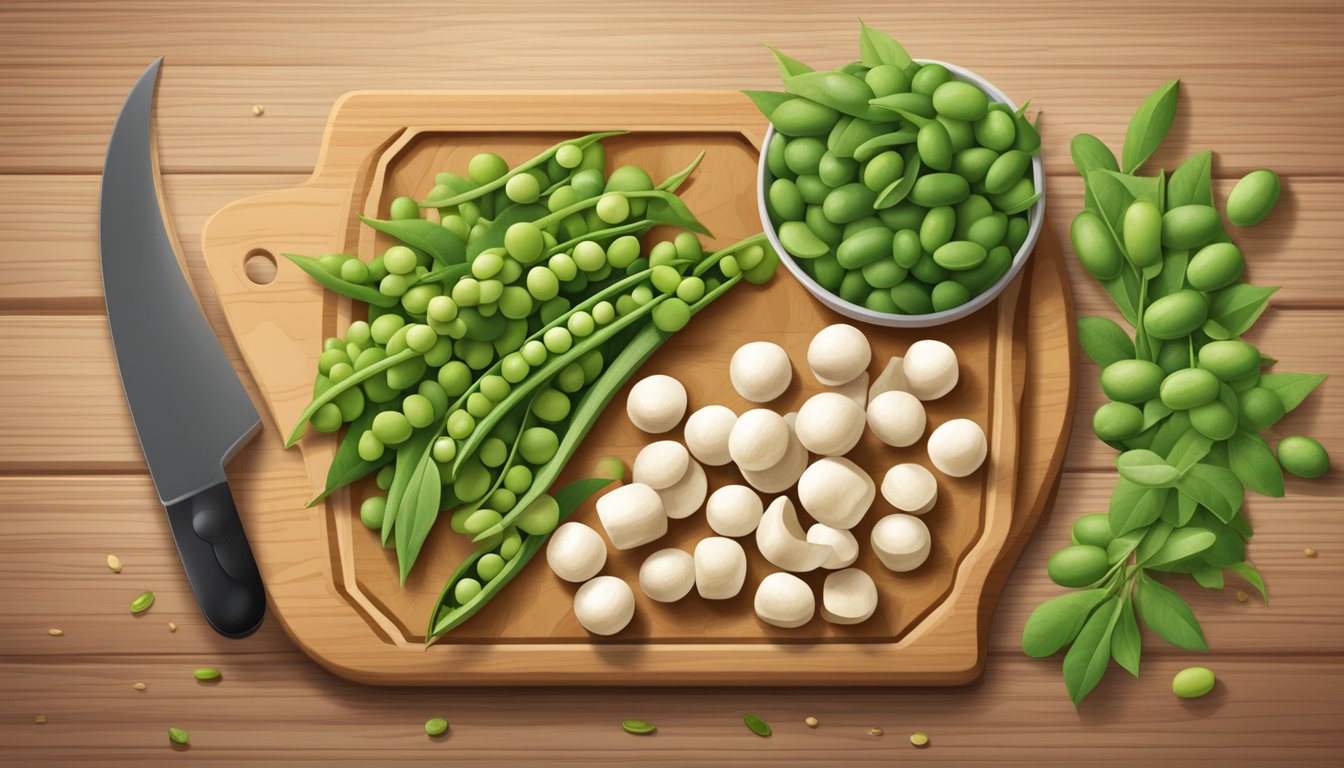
(190, 410)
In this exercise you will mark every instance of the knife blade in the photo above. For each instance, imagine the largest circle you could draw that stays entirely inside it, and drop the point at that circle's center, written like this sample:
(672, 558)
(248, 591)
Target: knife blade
(190, 410)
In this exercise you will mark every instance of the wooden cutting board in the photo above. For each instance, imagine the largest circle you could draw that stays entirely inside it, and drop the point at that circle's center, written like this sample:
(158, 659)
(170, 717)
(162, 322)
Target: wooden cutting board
(335, 589)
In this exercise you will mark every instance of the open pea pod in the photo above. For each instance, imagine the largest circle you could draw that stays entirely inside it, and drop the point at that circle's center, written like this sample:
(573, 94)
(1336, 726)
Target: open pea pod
(493, 237)
(346, 465)
(524, 167)
(359, 376)
(442, 246)
(365, 293)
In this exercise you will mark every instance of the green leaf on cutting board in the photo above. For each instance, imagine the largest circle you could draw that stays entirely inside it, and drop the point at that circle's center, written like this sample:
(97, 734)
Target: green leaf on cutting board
(1147, 469)
(1182, 545)
(1215, 488)
(1134, 506)
(1149, 126)
(1237, 307)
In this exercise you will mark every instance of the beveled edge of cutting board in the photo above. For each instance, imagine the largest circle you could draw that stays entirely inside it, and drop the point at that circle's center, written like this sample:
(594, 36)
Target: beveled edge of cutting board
(947, 647)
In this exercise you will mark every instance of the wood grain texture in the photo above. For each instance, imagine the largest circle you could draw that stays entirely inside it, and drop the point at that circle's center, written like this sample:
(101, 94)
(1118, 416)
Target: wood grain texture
(1261, 86)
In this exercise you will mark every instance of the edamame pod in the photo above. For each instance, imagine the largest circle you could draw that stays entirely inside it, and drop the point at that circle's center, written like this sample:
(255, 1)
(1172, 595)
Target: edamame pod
(1215, 266)
(1252, 199)
(1176, 315)
(803, 117)
(1190, 226)
(1143, 234)
(843, 93)
(1095, 246)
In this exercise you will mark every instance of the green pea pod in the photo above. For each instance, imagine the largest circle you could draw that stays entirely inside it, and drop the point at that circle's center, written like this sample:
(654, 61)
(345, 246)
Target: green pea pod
(347, 466)
(443, 246)
(353, 379)
(874, 146)
(365, 293)
(602, 235)
(582, 143)
(673, 182)
(845, 94)
(663, 208)
(900, 189)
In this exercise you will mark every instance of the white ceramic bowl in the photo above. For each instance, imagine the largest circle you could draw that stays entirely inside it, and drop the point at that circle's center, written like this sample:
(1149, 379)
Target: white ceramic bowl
(1035, 215)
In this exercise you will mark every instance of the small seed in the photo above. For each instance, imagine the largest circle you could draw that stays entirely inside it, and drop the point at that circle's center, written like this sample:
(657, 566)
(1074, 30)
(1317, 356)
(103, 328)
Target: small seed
(874, 731)
(141, 603)
(919, 739)
(40, 719)
(206, 674)
(810, 722)
(638, 727)
(258, 110)
(179, 736)
(55, 632)
(114, 563)
(1309, 552)
(1242, 596)
(139, 686)
(172, 626)
(436, 726)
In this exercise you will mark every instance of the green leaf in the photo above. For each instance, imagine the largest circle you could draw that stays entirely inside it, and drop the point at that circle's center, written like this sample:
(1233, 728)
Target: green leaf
(1090, 154)
(1292, 388)
(1121, 546)
(1185, 509)
(1153, 538)
(1056, 622)
(767, 101)
(1147, 188)
(667, 208)
(1154, 411)
(899, 189)
(1192, 182)
(1213, 487)
(1181, 545)
(409, 455)
(1170, 433)
(1113, 198)
(1104, 340)
(788, 66)
(877, 47)
(418, 510)
(1172, 277)
(1169, 616)
(365, 293)
(1250, 574)
(1208, 577)
(1149, 126)
(442, 246)
(347, 466)
(673, 183)
(1134, 506)
(1189, 450)
(1237, 307)
(1254, 464)
(1147, 469)
(1087, 659)
(1126, 645)
(1124, 291)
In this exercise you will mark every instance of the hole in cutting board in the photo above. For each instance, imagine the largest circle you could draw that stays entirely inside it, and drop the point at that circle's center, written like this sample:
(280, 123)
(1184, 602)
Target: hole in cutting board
(259, 266)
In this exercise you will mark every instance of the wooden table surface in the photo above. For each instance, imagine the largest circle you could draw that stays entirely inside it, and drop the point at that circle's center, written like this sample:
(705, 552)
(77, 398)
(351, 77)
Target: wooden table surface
(1262, 84)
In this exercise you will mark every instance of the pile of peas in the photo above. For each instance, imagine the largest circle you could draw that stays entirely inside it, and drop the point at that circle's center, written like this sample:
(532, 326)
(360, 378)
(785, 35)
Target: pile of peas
(897, 188)
(480, 364)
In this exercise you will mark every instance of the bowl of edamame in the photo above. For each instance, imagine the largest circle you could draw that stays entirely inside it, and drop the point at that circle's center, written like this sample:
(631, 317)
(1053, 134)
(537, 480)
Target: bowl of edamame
(910, 208)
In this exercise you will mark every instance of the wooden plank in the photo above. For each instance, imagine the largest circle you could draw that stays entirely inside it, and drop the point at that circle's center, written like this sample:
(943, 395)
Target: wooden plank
(274, 709)
(64, 75)
(65, 411)
(56, 533)
(36, 212)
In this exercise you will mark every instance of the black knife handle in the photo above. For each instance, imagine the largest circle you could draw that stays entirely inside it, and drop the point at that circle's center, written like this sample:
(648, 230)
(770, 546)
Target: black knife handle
(218, 560)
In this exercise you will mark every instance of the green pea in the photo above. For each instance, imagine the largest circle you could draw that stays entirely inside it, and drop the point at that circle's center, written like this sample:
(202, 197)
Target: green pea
(938, 189)
(804, 155)
(552, 309)
(960, 132)
(1302, 456)
(1093, 530)
(1192, 682)
(1006, 171)
(996, 130)
(937, 228)
(460, 425)
(929, 77)
(1215, 266)
(1189, 388)
(444, 450)
(934, 146)
(493, 452)
(179, 736)
(671, 315)
(995, 265)
(865, 247)
(370, 448)
(836, 171)
(812, 189)
(1253, 197)
(905, 248)
(642, 294)
(883, 273)
(988, 231)
(665, 279)
(588, 182)
(393, 285)
(613, 208)
(1176, 315)
(848, 203)
(478, 405)
(418, 410)
(1143, 233)
(785, 200)
(1078, 565)
(421, 338)
(391, 427)
(355, 271)
(1095, 246)
(457, 225)
(551, 406)
(472, 482)
(464, 592)
(623, 251)
(1190, 226)
(1131, 381)
(972, 209)
(486, 167)
(372, 511)
(959, 254)
(912, 298)
(538, 445)
(1260, 408)
(455, 377)
(691, 290)
(1214, 420)
(949, 294)
(973, 163)
(341, 371)
(960, 100)
(327, 419)
(523, 188)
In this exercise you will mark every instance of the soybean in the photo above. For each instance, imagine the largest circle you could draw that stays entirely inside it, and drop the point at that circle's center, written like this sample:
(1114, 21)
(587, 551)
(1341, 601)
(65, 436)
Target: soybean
(1192, 682)
(1253, 198)
(1131, 381)
(1176, 315)
(1189, 226)
(1077, 566)
(1189, 388)
(1302, 456)
(1143, 234)
(1117, 421)
(1215, 266)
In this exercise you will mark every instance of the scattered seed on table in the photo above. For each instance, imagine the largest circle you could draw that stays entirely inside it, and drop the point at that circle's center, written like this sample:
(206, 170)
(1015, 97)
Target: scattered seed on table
(919, 739)
(142, 602)
(1242, 596)
(638, 727)
(179, 736)
(139, 686)
(810, 722)
(436, 726)
(40, 719)
(1309, 552)
(258, 110)
(114, 563)
(874, 731)
(206, 674)
(172, 626)
(54, 632)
